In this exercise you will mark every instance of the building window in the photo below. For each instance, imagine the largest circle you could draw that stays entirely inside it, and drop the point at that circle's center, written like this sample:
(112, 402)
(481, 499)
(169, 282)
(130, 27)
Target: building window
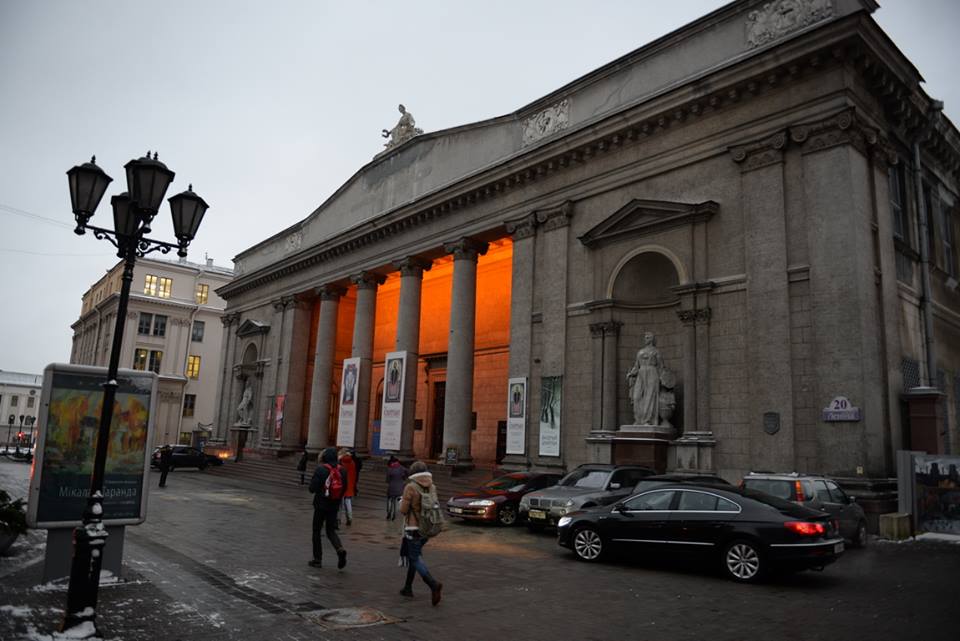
(159, 325)
(147, 359)
(189, 402)
(30, 401)
(949, 245)
(901, 228)
(198, 327)
(14, 400)
(158, 286)
(146, 321)
(193, 366)
(203, 293)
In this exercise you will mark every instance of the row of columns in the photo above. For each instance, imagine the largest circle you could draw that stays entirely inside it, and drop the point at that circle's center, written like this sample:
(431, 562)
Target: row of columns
(458, 408)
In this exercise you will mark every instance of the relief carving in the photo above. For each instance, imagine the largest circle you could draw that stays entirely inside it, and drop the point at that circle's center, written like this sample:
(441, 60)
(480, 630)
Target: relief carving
(549, 121)
(293, 242)
(777, 19)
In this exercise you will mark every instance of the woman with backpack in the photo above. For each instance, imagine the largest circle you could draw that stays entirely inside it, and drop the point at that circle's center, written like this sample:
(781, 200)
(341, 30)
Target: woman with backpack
(423, 519)
(327, 487)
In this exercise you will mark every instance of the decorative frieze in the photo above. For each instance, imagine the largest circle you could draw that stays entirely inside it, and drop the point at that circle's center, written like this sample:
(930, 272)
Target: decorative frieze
(761, 153)
(777, 19)
(549, 121)
(293, 242)
(694, 316)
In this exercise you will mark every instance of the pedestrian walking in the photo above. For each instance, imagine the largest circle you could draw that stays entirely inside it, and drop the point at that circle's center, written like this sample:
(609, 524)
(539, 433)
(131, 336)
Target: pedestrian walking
(166, 462)
(302, 466)
(348, 463)
(327, 487)
(423, 519)
(396, 479)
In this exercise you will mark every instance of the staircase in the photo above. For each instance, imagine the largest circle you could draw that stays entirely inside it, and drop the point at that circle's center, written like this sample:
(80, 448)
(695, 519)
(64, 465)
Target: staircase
(283, 473)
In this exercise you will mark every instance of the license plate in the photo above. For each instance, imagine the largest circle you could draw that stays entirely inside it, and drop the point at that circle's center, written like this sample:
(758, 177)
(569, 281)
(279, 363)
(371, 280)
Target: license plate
(838, 548)
(456, 510)
(538, 514)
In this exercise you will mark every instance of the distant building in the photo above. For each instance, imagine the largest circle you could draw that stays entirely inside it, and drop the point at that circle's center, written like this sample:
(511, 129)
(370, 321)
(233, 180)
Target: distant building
(172, 328)
(19, 404)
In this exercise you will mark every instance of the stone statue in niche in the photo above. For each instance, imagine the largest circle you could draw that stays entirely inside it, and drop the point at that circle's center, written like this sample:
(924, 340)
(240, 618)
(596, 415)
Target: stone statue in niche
(404, 130)
(245, 408)
(651, 386)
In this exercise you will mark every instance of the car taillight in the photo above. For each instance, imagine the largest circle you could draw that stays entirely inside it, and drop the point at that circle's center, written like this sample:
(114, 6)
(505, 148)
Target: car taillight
(799, 488)
(805, 528)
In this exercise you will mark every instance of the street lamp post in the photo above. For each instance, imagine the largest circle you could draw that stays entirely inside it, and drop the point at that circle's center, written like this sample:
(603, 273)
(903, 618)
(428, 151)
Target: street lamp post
(133, 212)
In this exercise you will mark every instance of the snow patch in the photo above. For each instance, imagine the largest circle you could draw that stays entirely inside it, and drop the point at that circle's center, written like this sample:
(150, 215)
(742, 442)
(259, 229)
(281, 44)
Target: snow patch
(15, 611)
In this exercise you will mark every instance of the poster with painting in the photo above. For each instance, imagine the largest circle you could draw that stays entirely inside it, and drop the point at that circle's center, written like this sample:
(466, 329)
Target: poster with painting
(347, 418)
(278, 404)
(516, 415)
(391, 421)
(71, 402)
(551, 397)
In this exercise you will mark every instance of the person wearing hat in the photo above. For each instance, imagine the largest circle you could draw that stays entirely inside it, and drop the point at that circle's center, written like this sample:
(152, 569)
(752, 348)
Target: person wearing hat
(411, 548)
(349, 465)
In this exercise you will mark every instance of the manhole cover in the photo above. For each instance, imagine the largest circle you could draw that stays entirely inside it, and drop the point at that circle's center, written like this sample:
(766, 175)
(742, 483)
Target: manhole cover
(348, 617)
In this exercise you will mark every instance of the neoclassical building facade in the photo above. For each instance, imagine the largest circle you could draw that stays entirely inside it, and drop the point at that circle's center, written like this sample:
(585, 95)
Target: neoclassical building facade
(761, 206)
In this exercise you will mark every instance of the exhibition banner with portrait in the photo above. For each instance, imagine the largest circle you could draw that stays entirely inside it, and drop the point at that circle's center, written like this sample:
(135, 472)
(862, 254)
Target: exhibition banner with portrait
(347, 419)
(551, 397)
(70, 407)
(391, 422)
(516, 415)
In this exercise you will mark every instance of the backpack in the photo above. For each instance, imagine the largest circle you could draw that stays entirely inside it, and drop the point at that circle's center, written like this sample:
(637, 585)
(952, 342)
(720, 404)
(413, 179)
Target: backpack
(333, 487)
(430, 516)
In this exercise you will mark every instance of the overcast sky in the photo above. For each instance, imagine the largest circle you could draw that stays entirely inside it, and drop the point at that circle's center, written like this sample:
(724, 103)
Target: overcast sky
(268, 107)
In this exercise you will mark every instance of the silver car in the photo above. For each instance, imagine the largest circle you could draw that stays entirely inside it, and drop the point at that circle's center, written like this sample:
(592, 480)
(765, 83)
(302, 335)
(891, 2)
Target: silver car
(588, 485)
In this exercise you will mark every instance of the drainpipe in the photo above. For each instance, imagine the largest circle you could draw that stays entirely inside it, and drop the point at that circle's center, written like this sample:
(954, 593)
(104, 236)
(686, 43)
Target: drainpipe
(926, 302)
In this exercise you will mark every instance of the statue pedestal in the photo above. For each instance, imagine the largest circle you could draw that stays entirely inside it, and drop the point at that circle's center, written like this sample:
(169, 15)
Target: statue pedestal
(666, 432)
(242, 431)
(645, 446)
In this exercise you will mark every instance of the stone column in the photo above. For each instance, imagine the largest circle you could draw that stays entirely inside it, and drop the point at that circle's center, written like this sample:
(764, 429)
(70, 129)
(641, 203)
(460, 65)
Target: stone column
(222, 420)
(606, 375)
(524, 232)
(363, 326)
(769, 376)
(408, 339)
(458, 408)
(319, 434)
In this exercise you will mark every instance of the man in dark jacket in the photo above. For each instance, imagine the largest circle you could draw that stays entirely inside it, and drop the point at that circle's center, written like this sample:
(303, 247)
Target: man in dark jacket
(166, 462)
(325, 508)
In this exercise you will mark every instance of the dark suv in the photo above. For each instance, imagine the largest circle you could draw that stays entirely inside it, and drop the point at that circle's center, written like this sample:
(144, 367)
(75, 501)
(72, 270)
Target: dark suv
(588, 485)
(817, 492)
(186, 456)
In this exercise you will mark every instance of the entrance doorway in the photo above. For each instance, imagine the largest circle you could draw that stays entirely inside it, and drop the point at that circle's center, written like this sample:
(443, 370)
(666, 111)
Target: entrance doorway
(436, 429)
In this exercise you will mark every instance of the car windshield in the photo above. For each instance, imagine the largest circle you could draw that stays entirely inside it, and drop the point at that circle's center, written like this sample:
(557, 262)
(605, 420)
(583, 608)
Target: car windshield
(586, 478)
(508, 483)
(780, 489)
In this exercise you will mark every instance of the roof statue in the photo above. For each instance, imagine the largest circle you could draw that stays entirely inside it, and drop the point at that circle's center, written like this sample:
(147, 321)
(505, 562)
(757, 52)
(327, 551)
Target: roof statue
(404, 130)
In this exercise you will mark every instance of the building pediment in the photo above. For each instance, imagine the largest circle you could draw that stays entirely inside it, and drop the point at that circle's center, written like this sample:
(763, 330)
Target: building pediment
(642, 217)
(252, 327)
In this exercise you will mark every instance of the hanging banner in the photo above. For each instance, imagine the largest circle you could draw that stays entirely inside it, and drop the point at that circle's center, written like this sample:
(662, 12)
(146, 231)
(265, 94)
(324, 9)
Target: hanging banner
(551, 395)
(278, 404)
(516, 415)
(347, 420)
(70, 407)
(391, 421)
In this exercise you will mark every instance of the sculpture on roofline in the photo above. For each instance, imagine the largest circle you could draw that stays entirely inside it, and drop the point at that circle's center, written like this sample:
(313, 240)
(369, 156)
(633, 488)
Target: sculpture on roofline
(404, 130)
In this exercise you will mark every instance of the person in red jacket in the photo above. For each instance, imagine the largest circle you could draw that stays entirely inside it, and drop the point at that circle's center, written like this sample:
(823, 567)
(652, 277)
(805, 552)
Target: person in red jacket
(350, 467)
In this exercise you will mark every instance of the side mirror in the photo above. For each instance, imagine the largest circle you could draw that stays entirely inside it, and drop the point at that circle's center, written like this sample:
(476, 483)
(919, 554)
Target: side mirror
(614, 486)
(620, 507)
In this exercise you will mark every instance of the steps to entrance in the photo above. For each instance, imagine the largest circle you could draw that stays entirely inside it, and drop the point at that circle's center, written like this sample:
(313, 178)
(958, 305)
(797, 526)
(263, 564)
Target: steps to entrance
(283, 473)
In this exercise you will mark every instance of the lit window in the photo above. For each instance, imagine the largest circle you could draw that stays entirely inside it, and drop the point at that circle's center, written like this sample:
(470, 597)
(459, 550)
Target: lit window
(198, 327)
(203, 292)
(189, 402)
(146, 320)
(155, 358)
(150, 286)
(164, 287)
(140, 359)
(159, 325)
(193, 366)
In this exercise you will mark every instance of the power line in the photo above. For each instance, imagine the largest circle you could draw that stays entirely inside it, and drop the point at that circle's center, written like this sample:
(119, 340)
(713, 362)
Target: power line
(20, 212)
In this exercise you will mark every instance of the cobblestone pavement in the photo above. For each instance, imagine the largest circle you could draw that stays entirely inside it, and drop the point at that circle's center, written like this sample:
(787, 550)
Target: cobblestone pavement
(221, 560)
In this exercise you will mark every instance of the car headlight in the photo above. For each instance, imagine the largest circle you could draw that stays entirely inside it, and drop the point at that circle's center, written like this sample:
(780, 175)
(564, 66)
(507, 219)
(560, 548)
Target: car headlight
(564, 521)
(569, 503)
(481, 503)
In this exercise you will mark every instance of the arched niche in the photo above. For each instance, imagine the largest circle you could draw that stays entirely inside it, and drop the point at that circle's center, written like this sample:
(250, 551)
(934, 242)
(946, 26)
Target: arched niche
(249, 355)
(646, 276)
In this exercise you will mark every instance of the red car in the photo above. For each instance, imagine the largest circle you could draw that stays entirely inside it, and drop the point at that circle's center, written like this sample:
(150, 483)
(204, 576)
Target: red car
(497, 500)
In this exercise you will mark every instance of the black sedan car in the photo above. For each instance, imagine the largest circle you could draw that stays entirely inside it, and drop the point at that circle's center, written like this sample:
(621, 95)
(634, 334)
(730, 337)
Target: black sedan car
(186, 456)
(497, 500)
(746, 532)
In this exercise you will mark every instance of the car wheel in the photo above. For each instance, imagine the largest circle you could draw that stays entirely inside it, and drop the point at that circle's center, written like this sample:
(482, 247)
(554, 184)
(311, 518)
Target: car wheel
(743, 561)
(507, 515)
(587, 544)
(860, 538)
